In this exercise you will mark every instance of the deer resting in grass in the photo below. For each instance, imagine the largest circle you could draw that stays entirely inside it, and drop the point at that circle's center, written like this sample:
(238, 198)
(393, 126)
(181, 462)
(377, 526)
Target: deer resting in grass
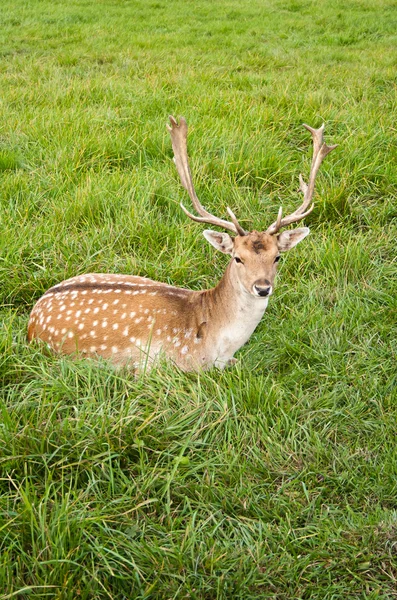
(132, 320)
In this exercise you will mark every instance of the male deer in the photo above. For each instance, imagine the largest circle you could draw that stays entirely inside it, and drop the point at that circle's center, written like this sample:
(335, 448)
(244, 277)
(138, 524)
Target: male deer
(132, 320)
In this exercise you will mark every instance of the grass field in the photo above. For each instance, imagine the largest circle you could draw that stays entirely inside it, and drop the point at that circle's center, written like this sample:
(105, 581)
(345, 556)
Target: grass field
(276, 478)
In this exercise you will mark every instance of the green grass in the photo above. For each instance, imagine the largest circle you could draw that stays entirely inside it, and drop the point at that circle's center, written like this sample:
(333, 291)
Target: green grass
(277, 478)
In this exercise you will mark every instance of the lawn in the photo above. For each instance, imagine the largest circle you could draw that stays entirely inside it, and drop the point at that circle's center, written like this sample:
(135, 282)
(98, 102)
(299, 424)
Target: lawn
(276, 478)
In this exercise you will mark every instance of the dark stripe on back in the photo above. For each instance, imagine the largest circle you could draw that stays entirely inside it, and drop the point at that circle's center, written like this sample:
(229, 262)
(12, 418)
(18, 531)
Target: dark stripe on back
(74, 287)
(58, 289)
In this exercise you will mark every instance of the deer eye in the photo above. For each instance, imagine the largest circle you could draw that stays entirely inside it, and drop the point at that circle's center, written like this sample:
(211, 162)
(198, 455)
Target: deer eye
(277, 259)
(238, 260)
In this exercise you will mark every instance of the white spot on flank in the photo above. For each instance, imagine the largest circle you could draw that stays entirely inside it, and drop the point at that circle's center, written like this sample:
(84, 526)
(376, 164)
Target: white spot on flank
(70, 334)
(81, 326)
(105, 305)
(125, 330)
(92, 333)
(116, 301)
(103, 346)
(114, 349)
(115, 326)
(91, 300)
(132, 340)
(184, 350)
(104, 323)
(123, 316)
(92, 348)
(69, 312)
(62, 307)
(132, 314)
(96, 310)
(78, 313)
(138, 320)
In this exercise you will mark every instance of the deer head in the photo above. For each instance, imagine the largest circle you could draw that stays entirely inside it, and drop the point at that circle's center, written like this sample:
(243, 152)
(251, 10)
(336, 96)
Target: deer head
(255, 254)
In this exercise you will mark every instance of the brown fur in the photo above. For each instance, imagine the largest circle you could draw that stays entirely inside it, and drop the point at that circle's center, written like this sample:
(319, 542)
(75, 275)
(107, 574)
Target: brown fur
(130, 319)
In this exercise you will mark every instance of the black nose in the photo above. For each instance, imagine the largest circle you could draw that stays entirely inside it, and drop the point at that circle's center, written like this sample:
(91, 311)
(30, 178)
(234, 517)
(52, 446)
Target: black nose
(262, 291)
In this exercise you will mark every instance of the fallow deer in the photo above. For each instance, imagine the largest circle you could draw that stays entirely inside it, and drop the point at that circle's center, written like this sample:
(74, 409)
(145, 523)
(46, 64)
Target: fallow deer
(132, 320)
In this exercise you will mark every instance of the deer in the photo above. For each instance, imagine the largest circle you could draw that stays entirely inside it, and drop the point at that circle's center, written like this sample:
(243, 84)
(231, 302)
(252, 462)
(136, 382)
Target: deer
(133, 321)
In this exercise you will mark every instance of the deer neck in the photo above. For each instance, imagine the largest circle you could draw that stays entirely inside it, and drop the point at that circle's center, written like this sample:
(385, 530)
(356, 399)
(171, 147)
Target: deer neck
(232, 314)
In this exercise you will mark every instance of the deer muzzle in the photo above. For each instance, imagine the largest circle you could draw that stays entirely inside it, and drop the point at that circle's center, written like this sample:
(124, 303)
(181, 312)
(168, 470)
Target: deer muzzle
(262, 288)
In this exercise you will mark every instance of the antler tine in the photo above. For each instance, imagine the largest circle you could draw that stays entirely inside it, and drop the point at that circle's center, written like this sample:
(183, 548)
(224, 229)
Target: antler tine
(178, 135)
(237, 225)
(274, 227)
(320, 151)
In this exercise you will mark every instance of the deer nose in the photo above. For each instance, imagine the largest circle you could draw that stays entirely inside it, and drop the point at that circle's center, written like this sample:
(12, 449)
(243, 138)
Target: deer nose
(262, 290)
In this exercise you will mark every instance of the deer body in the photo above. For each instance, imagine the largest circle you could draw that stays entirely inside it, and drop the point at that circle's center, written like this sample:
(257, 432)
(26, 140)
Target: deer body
(189, 327)
(133, 320)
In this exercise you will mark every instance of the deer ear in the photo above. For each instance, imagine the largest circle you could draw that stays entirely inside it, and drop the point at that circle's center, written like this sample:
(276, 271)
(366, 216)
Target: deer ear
(288, 239)
(220, 241)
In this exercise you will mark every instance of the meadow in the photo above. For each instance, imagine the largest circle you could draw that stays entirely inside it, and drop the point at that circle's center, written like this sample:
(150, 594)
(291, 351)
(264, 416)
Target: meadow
(276, 478)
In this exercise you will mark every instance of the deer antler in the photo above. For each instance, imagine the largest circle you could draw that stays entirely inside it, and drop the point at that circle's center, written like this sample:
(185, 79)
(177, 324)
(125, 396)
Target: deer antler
(320, 151)
(179, 145)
